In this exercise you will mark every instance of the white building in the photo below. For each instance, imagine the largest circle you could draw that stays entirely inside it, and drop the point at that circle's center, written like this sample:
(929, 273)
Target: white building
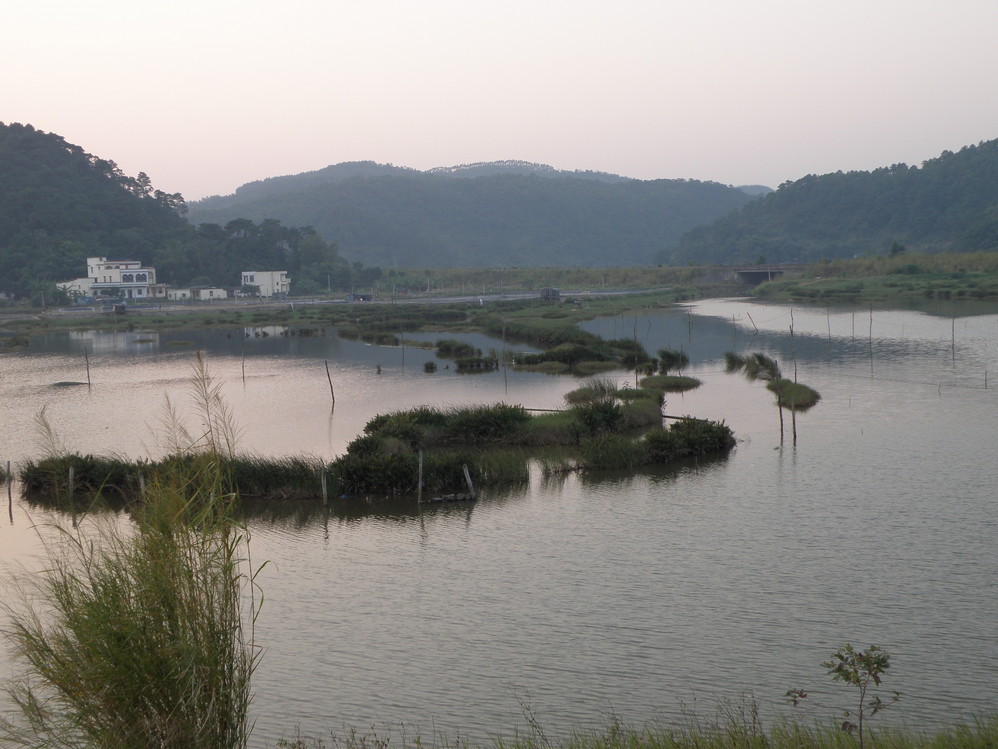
(125, 278)
(197, 293)
(270, 282)
(116, 278)
(209, 294)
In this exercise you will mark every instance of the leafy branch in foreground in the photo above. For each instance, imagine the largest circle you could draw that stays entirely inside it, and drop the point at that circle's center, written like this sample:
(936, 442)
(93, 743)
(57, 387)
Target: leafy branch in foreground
(862, 669)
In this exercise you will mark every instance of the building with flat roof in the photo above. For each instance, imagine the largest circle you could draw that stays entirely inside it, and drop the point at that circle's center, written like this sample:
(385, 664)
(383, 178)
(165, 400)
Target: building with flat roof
(271, 283)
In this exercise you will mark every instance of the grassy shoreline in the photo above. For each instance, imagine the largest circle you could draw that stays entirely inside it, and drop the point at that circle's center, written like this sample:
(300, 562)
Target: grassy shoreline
(732, 726)
(946, 276)
(489, 300)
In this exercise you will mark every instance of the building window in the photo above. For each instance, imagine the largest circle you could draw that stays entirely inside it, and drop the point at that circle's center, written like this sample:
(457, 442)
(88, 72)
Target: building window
(141, 277)
(127, 278)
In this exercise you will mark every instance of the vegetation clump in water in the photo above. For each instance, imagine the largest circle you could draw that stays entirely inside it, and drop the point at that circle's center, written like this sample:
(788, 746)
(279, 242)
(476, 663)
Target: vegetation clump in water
(385, 460)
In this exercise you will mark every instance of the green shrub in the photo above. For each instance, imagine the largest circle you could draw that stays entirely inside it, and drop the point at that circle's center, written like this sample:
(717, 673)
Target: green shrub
(452, 349)
(602, 415)
(478, 424)
(593, 390)
(688, 437)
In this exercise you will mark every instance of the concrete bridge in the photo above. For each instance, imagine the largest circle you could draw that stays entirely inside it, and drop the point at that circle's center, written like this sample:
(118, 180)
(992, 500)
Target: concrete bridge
(756, 274)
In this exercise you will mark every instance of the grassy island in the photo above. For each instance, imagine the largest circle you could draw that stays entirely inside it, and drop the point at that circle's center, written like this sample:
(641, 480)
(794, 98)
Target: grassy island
(495, 443)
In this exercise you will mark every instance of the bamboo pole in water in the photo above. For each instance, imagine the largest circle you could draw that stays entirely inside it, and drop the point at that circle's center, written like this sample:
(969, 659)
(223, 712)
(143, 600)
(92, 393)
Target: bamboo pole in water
(329, 377)
(86, 358)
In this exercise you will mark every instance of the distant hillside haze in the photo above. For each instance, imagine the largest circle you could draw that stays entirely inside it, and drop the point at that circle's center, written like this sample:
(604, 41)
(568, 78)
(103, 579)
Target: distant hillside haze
(349, 224)
(949, 203)
(511, 213)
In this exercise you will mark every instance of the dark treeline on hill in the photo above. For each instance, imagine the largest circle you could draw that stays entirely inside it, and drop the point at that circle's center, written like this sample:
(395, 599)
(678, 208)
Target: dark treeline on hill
(480, 215)
(60, 205)
(950, 203)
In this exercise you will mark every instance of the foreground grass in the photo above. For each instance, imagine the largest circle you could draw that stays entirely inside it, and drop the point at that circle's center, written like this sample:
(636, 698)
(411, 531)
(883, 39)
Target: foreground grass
(731, 728)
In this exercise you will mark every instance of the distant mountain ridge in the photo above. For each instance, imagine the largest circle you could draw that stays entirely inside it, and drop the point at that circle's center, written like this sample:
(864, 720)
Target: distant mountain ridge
(481, 214)
(949, 203)
(369, 169)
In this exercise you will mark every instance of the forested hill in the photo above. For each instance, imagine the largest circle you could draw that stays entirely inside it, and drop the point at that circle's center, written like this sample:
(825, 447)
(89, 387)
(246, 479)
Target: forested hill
(500, 213)
(59, 204)
(949, 203)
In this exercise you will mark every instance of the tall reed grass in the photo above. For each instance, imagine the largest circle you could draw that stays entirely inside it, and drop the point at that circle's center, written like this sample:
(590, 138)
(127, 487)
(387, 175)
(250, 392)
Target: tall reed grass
(139, 636)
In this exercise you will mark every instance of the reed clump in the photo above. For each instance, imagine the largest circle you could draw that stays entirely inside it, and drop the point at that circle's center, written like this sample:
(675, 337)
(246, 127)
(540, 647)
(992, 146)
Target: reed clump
(118, 482)
(138, 635)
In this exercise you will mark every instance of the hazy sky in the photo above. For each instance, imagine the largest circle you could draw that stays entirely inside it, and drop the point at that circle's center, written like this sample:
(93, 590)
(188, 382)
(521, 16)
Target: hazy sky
(206, 95)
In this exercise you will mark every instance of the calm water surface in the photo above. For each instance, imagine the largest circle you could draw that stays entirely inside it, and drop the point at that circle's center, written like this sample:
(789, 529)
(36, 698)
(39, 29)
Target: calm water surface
(598, 595)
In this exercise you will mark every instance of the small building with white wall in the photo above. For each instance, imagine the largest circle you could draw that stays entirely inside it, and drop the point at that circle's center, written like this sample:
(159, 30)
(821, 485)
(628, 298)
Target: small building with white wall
(271, 283)
(208, 293)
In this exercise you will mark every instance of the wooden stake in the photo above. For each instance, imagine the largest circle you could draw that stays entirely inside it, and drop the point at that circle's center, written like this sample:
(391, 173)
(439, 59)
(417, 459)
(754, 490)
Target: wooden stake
(419, 485)
(325, 495)
(86, 358)
(328, 377)
(467, 477)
